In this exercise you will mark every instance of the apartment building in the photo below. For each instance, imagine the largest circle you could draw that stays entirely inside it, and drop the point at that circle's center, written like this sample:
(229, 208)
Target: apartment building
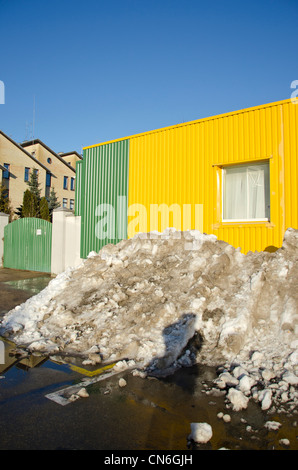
(54, 170)
(71, 158)
(62, 173)
(16, 164)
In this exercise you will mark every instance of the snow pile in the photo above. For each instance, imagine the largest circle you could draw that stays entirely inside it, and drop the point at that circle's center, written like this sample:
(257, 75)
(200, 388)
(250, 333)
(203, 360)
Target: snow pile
(168, 300)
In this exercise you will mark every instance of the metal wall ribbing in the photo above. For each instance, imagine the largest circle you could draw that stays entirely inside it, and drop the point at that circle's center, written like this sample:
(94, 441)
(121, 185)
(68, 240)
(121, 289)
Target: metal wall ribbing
(104, 182)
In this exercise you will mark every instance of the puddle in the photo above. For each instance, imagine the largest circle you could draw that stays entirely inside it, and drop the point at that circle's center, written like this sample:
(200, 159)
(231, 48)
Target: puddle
(31, 285)
(14, 357)
(157, 412)
(16, 288)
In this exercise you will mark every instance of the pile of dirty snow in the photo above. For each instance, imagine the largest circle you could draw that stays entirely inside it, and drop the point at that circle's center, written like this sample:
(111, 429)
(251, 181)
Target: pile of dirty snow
(172, 299)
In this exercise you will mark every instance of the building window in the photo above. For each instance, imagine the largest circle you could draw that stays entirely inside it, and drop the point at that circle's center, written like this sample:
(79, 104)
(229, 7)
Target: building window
(26, 175)
(48, 180)
(71, 204)
(49, 160)
(6, 172)
(72, 184)
(64, 202)
(246, 192)
(65, 182)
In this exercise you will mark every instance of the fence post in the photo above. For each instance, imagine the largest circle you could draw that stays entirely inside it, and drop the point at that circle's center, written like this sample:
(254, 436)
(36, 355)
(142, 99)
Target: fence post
(66, 231)
(4, 219)
(58, 239)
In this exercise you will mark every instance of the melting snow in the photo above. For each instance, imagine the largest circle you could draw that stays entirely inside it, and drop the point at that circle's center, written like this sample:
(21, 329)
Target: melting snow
(200, 432)
(169, 300)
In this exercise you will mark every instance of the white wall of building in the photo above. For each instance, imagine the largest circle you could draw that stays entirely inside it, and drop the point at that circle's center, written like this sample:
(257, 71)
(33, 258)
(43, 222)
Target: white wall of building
(3, 222)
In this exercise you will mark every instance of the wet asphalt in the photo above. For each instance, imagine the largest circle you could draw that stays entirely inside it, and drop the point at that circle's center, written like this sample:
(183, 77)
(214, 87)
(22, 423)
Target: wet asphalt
(146, 414)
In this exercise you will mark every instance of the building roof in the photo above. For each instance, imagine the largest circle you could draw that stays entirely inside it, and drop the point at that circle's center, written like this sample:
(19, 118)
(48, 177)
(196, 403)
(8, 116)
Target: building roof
(28, 143)
(62, 154)
(25, 151)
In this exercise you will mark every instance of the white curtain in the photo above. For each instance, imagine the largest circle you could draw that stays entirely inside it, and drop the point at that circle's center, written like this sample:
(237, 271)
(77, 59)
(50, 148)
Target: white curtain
(246, 192)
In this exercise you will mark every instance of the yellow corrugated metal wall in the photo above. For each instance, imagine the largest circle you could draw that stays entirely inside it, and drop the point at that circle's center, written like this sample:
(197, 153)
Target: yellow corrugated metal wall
(183, 165)
(290, 137)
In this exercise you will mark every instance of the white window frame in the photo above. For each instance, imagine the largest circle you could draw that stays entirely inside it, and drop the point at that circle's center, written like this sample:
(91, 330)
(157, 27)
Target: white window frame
(251, 220)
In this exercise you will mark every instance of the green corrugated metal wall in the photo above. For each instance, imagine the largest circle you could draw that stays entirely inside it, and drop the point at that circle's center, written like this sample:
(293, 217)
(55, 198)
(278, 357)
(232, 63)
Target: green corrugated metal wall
(28, 245)
(104, 193)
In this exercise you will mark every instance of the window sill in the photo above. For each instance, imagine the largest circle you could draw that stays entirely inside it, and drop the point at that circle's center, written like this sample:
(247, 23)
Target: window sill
(241, 221)
(244, 223)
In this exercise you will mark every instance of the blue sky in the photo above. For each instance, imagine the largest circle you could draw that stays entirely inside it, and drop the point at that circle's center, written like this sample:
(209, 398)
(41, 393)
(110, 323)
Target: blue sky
(100, 70)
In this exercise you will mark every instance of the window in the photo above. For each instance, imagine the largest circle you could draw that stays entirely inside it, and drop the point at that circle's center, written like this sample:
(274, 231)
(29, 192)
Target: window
(64, 202)
(26, 175)
(65, 182)
(72, 184)
(6, 173)
(71, 204)
(48, 180)
(49, 160)
(246, 194)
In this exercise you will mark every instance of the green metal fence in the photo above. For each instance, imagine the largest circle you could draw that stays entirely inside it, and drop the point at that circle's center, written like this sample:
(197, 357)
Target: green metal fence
(28, 245)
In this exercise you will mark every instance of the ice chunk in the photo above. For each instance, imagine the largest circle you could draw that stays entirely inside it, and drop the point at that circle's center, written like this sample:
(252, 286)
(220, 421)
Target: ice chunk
(226, 379)
(272, 425)
(122, 382)
(265, 397)
(246, 383)
(268, 374)
(290, 378)
(201, 432)
(83, 393)
(238, 400)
